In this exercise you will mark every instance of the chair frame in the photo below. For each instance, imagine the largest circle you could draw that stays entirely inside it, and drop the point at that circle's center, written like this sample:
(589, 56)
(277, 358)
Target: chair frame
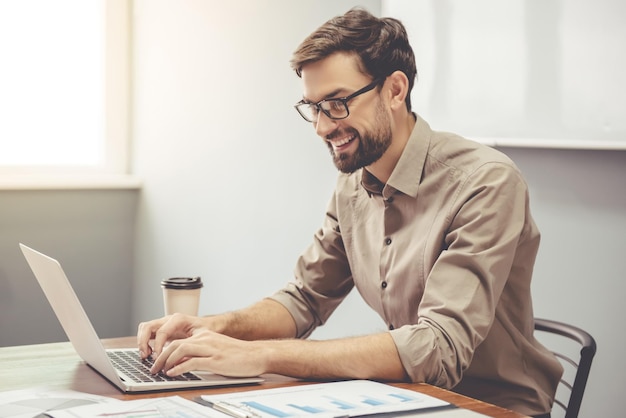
(583, 366)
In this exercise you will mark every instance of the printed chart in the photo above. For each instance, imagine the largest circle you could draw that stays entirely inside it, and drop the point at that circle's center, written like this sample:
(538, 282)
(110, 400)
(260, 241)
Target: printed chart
(337, 399)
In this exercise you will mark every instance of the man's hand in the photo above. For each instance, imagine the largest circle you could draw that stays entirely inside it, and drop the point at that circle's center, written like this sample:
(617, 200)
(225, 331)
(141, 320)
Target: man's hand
(214, 352)
(166, 329)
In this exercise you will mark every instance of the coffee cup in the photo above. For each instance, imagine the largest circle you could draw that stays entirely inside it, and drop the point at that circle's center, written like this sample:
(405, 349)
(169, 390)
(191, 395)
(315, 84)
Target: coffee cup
(181, 294)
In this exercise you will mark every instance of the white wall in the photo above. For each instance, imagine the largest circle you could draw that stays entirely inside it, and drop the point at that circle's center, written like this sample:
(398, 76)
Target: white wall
(236, 184)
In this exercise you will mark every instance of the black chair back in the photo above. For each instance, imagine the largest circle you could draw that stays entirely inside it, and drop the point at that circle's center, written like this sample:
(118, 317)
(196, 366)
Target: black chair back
(580, 366)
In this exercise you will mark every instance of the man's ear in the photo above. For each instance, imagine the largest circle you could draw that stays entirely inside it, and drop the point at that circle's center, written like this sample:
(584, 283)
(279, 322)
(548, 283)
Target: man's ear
(398, 87)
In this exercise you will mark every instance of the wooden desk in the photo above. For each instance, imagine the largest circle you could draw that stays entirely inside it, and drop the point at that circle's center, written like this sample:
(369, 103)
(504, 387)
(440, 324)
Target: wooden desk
(58, 366)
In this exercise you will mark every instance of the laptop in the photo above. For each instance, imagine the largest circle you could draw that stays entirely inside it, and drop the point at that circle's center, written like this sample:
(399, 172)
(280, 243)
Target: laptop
(122, 367)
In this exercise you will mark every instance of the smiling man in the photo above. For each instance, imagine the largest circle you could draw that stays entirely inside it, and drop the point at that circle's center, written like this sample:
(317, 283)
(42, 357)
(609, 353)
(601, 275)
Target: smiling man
(432, 229)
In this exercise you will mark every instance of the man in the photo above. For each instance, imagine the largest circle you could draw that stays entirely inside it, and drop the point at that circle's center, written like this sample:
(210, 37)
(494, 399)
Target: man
(433, 230)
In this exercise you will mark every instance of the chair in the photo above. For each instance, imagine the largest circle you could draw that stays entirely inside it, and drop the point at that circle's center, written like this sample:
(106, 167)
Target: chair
(579, 367)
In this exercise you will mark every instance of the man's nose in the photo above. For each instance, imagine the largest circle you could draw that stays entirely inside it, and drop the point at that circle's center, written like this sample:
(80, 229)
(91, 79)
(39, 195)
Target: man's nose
(324, 125)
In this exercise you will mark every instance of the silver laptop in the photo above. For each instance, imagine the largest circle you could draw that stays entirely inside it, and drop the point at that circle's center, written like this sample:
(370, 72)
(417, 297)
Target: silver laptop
(132, 375)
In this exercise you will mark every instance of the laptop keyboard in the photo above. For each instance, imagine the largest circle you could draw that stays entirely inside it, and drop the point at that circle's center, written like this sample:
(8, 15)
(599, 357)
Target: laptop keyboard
(131, 364)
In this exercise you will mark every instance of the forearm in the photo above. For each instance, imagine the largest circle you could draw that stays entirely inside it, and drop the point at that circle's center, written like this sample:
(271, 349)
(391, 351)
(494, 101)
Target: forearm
(367, 357)
(266, 319)
(218, 345)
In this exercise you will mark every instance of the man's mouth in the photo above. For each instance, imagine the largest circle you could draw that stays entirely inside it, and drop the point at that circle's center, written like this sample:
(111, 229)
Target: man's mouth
(342, 142)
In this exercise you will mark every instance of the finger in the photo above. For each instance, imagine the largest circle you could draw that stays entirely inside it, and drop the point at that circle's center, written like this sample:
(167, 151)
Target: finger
(177, 354)
(166, 358)
(158, 362)
(173, 327)
(145, 332)
(180, 350)
(184, 366)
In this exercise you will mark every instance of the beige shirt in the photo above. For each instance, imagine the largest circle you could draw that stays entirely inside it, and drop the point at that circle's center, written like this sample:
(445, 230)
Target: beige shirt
(444, 252)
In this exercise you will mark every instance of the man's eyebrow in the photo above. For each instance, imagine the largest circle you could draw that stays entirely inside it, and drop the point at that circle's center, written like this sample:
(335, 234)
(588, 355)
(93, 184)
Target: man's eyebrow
(330, 95)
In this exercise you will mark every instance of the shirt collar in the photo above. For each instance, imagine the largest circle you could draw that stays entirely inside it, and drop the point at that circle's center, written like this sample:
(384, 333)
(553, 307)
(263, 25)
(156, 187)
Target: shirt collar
(407, 173)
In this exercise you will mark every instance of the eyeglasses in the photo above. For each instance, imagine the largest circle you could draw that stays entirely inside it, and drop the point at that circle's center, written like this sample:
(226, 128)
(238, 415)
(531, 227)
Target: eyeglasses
(336, 108)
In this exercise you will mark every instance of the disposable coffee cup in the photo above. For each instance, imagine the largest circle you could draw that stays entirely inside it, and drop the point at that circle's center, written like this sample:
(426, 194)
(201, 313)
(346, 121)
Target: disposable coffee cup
(181, 294)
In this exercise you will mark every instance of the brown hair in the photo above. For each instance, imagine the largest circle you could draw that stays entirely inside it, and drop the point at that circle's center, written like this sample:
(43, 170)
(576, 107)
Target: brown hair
(381, 45)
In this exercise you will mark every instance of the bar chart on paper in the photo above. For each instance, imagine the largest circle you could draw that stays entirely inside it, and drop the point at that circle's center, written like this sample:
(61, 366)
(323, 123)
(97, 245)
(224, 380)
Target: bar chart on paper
(337, 399)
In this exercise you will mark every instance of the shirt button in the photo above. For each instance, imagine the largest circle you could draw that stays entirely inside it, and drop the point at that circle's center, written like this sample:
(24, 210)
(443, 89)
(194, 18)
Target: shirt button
(387, 241)
(390, 327)
(383, 285)
(390, 200)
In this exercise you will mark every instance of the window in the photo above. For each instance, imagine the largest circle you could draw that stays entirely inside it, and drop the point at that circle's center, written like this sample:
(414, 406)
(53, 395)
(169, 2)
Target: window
(64, 90)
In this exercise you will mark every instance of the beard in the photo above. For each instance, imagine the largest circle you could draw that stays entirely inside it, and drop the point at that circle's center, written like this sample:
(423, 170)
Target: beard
(372, 145)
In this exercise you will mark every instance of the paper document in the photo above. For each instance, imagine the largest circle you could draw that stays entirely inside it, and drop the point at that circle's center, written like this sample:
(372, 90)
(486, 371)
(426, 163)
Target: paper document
(167, 407)
(33, 402)
(337, 399)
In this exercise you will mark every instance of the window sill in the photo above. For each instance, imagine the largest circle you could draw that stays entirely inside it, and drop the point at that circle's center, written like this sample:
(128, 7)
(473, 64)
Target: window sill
(65, 182)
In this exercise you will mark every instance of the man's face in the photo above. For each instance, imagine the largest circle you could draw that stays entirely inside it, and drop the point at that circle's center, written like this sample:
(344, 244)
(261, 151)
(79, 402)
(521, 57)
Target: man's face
(363, 137)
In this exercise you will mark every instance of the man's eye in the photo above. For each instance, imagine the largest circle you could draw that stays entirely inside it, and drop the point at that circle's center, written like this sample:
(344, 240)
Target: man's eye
(335, 105)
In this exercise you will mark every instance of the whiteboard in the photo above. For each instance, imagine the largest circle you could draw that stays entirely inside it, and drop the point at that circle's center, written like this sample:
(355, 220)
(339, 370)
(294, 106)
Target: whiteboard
(524, 73)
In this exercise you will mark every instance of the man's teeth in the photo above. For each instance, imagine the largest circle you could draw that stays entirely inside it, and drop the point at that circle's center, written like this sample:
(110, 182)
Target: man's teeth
(343, 141)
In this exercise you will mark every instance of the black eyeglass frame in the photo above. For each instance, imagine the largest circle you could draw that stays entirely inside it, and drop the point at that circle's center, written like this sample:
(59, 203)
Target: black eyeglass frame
(343, 100)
